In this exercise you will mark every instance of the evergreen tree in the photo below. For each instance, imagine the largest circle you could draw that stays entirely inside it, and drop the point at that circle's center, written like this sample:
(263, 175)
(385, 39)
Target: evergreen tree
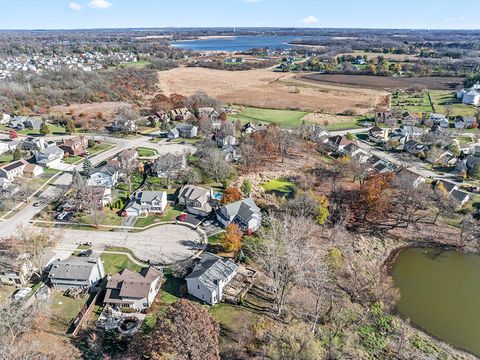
(87, 168)
(17, 154)
(44, 129)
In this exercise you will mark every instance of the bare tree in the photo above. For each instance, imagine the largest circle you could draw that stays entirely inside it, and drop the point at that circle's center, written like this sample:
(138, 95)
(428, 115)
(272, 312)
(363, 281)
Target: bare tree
(128, 168)
(168, 166)
(34, 241)
(126, 119)
(283, 252)
(214, 166)
(317, 281)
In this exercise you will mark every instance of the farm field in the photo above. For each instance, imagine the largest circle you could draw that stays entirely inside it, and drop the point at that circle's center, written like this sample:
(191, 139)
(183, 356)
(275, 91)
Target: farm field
(418, 102)
(390, 57)
(286, 118)
(441, 99)
(384, 82)
(267, 89)
(90, 110)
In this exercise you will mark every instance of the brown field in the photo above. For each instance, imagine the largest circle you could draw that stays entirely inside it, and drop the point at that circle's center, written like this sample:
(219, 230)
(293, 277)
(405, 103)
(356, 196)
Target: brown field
(266, 89)
(384, 82)
(106, 108)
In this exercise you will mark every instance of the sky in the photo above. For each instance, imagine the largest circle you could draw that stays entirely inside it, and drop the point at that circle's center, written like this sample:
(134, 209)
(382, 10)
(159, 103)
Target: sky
(86, 14)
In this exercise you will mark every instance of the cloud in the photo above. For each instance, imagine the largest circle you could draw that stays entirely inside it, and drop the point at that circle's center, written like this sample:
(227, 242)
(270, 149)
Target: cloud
(100, 4)
(310, 19)
(75, 6)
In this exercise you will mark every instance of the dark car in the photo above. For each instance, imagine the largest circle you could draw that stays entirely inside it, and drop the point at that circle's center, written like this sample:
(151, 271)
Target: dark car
(86, 253)
(38, 203)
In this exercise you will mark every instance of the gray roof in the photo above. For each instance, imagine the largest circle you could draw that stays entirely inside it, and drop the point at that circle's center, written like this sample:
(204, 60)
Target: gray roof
(243, 208)
(448, 186)
(149, 196)
(52, 150)
(459, 196)
(192, 192)
(75, 268)
(211, 269)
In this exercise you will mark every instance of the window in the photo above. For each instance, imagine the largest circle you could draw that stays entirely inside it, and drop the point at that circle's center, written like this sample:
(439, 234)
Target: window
(198, 287)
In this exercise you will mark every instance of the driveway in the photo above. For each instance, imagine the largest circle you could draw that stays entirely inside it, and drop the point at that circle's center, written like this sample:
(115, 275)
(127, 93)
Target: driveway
(164, 244)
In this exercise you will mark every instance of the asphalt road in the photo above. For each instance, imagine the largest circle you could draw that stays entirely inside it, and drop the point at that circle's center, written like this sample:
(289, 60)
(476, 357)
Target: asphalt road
(161, 244)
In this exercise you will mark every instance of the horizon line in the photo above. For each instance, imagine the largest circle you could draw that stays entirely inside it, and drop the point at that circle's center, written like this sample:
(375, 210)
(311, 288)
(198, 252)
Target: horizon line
(284, 28)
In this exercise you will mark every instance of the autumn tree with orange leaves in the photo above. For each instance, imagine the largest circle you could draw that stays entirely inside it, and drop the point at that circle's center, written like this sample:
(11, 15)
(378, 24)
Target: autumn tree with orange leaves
(231, 195)
(231, 239)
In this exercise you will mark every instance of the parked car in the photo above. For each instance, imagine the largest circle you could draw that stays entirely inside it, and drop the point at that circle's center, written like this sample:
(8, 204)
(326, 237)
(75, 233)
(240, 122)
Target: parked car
(86, 253)
(38, 203)
(65, 215)
(182, 217)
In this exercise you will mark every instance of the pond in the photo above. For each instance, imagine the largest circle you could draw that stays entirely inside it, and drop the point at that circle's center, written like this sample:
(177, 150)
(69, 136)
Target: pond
(440, 292)
(237, 43)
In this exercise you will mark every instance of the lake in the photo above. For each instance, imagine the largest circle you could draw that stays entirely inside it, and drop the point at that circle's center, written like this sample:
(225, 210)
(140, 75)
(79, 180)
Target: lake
(440, 292)
(237, 43)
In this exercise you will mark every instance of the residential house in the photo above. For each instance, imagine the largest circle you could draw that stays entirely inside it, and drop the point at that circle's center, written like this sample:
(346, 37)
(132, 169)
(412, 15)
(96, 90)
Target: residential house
(75, 146)
(378, 135)
(209, 277)
(173, 134)
(13, 170)
(180, 114)
(386, 117)
(105, 176)
(24, 122)
(440, 120)
(32, 170)
(50, 156)
(129, 289)
(195, 199)
(76, 272)
(249, 128)
(162, 116)
(403, 174)
(187, 131)
(231, 153)
(354, 152)
(452, 190)
(223, 140)
(127, 156)
(33, 143)
(411, 131)
(444, 158)
(124, 125)
(15, 268)
(144, 203)
(380, 165)
(414, 147)
(207, 113)
(466, 122)
(177, 164)
(245, 213)
(410, 119)
(314, 133)
(4, 118)
(337, 143)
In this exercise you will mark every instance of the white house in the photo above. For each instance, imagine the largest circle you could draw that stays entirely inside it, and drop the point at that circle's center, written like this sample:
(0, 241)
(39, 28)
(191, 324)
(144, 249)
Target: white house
(245, 213)
(440, 120)
(50, 156)
(4, 119)
(144, 203)
(13, 169)
(105, 176)
(209, 277)
(471, 97)
(225, 140)
(76, 272)
(128, 289)
(32, 170)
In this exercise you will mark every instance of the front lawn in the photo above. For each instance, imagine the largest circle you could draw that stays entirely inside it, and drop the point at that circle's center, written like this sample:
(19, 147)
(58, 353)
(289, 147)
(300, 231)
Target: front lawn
(109, 217)
(54, 130)
(442, 99)
(279, 187)
(113, 263)
(6, 158)
(144, 152)
(170, 214)
(284, 118)
(100, 147)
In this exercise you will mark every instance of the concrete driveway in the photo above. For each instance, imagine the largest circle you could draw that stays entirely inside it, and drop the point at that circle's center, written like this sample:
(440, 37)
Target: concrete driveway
(164, 244)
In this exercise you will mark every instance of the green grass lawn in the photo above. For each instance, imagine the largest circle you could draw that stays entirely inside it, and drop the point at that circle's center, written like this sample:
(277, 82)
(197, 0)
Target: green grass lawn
(284, 118)
(54, 130)
(279, 187)
(170, 215)
(100, 147)
(6, 158)
(412, 103)
(64, 310)
(138, 65)
(114, 263)
(109, 217)
(215, 239)
(144, 152)
(72, 159)
(441, 99)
